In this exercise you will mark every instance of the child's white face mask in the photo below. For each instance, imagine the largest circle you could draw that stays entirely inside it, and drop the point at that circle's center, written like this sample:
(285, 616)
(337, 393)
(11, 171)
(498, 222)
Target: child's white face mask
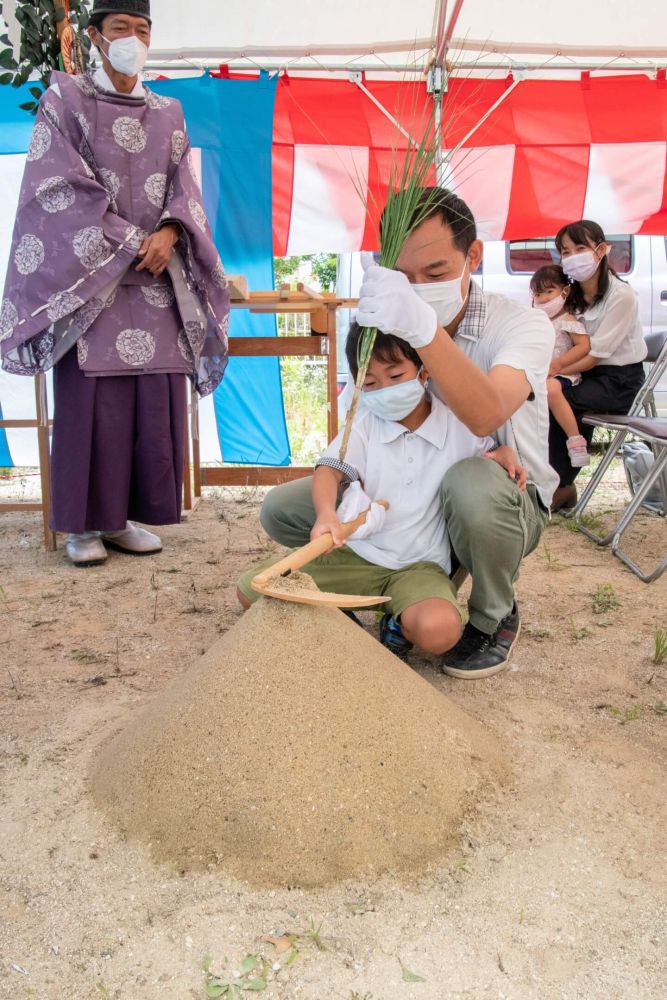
(552, 307)
(396, 401)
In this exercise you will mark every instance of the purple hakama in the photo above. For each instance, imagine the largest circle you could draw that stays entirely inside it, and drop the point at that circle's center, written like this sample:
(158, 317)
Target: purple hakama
(118, 449)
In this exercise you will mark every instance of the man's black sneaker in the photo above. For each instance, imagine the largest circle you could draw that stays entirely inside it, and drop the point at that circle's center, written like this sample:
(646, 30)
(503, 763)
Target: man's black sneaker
(476, 654)
(353, 618)
(392, 637)
(508, 630)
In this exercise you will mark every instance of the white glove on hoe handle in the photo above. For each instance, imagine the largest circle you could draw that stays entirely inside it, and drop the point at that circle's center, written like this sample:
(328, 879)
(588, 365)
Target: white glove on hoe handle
(355, 502)
(388, 303)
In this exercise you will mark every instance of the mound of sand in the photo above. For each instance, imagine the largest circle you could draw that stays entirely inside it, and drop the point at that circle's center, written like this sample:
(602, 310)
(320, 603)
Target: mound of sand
(297, 751)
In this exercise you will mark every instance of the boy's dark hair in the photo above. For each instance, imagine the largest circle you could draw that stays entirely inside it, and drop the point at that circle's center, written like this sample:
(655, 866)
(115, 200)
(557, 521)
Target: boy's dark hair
(587, 233)
(549, 276)
(387, 347)
(435, 202)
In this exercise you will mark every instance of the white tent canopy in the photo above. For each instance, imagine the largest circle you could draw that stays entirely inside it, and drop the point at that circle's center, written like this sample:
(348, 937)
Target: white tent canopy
(394, 32)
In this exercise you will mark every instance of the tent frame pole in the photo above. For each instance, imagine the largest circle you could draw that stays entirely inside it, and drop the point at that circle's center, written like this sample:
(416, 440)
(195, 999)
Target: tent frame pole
(356, 78)
(503, 97)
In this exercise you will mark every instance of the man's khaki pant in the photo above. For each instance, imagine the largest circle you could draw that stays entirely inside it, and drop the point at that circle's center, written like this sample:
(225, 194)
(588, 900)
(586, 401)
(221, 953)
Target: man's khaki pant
(492, 526)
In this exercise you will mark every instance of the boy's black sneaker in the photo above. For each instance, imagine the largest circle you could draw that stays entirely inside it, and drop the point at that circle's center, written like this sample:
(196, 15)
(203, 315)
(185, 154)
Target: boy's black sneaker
(476, 654)
(392, 637)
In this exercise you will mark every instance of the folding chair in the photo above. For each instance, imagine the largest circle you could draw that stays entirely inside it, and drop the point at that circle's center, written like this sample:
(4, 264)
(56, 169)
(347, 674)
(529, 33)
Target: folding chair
(644, 403)
(652, 430)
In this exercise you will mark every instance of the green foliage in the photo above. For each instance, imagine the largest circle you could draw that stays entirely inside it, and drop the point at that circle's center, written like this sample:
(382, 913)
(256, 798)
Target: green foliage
(251, 978)
(304, 383)
(410, 977)
(624, 714)
(40, 47)
(323, 268)
(605, 599)
(660, 653)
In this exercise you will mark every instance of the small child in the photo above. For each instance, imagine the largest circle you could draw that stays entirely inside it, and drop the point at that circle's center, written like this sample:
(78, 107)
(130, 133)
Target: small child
(403, 441)
(550, 289)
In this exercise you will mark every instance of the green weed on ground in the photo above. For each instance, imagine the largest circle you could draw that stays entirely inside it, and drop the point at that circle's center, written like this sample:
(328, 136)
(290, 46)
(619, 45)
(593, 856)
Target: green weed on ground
(605, 599)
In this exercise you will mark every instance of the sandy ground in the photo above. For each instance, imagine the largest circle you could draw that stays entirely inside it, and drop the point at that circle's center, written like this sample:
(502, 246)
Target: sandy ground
(556, 891)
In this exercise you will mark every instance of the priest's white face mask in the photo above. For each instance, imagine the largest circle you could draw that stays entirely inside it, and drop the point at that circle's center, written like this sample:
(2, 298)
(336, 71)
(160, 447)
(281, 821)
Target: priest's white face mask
(127, 55)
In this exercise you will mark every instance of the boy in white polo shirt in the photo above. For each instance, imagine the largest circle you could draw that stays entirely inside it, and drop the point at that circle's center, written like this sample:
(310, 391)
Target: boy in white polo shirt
(403, 441)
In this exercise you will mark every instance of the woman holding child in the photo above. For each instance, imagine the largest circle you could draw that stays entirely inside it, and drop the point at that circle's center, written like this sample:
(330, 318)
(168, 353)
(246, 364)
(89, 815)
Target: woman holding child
(612, 371)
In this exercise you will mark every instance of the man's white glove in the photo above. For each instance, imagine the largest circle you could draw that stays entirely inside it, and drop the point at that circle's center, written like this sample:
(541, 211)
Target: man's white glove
(387, 301)
(353, 503)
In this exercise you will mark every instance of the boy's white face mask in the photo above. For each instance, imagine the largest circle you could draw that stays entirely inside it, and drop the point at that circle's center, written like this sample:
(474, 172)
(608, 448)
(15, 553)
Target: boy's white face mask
(396, 401)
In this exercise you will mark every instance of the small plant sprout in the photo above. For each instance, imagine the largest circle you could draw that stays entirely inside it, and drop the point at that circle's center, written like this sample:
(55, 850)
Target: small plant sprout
(550, 557)
(587, 520)
(605, 599)
(624, 715)
(580, 632)
(313, 934)
(251, 977)
(660, 652)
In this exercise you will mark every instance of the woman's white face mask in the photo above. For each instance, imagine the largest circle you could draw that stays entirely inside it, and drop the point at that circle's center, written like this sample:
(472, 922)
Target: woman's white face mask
(126, 55)
(581, 266)
(445, 297)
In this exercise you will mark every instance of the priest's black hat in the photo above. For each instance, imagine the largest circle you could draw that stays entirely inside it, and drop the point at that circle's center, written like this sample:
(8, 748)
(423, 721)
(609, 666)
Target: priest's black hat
(137, 8)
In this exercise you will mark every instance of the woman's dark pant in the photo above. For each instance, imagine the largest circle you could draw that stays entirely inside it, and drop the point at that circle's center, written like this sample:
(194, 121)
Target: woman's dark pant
(604, 389)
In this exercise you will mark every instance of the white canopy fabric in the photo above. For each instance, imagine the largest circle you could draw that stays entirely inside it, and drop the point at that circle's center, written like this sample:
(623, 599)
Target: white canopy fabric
(393, 31)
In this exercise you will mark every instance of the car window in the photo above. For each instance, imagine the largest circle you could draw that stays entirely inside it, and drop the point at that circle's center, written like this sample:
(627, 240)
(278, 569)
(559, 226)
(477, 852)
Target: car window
(525, 256)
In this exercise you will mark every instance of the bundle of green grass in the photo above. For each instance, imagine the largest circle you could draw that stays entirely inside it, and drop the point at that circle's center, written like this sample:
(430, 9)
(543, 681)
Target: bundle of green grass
(297, 752)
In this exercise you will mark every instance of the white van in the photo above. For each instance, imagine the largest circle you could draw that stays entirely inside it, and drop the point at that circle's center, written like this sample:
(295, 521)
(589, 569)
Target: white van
(507, 268)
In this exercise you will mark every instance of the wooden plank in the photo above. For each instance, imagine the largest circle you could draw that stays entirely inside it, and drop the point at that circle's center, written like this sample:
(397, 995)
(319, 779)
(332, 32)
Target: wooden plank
(187, 471)
(312, 293)
(238, 287)
(43, 445)
(332, 375)
(278, 347)
(252, 475)
(16, 508)
(194, 429)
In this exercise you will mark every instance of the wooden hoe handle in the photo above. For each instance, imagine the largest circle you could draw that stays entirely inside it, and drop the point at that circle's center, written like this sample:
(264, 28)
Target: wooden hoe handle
(310, 551)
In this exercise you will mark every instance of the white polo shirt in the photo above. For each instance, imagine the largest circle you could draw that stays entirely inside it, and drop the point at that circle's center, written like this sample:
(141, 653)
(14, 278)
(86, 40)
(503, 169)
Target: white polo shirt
(406, 468)
(495, 331)
(614, 326)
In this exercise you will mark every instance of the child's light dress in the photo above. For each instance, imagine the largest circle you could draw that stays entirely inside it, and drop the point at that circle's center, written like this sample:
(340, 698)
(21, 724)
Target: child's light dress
(564, 326)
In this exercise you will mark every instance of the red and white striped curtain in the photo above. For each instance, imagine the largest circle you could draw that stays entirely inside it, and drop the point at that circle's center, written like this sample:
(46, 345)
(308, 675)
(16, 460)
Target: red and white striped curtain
(552, 152)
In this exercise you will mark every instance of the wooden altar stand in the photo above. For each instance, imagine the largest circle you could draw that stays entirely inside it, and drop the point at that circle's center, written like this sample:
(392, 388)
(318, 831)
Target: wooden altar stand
(321, 307)
(41, 424)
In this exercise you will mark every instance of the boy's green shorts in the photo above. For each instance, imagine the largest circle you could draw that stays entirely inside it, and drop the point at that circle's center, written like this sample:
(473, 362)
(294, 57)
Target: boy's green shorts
(344, 572)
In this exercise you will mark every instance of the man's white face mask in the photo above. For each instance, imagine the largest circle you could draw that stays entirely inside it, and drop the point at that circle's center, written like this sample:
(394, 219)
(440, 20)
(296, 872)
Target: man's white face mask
(127, 55)
(445, 297)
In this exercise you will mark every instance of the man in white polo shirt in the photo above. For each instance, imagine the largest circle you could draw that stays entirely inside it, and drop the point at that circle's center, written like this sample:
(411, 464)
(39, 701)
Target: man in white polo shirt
(488, 359)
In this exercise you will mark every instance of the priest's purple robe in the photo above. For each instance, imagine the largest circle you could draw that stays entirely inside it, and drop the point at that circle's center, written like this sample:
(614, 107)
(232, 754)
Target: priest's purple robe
(104, 170)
